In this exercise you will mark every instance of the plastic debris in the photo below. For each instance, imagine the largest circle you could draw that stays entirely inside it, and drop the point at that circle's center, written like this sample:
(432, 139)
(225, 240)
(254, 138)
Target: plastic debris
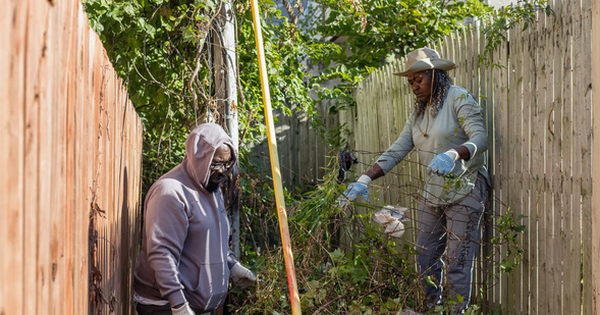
(391, 219)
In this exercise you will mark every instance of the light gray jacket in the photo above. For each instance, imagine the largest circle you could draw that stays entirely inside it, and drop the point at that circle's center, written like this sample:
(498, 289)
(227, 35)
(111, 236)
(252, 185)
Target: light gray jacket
(185, 253)
(458, 123)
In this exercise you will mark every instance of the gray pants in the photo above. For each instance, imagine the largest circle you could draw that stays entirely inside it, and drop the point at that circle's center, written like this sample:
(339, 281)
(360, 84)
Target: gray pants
(456, 231)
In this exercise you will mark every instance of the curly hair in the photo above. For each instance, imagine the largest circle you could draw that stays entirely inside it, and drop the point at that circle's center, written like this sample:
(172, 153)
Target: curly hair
(441, 84)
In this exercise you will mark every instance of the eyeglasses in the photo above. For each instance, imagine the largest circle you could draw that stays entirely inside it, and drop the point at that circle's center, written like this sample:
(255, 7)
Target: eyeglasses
(215, 166)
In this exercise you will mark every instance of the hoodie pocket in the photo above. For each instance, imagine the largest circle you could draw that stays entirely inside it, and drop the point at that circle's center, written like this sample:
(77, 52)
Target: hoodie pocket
(213, 280)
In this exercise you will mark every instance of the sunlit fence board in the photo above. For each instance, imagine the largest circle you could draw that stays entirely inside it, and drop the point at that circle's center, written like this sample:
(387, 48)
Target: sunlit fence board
(583, 43)
(525, 163)
(12, 160)
(71, 167)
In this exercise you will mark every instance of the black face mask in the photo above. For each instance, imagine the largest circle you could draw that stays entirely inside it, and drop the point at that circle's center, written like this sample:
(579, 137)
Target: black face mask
(215, 181)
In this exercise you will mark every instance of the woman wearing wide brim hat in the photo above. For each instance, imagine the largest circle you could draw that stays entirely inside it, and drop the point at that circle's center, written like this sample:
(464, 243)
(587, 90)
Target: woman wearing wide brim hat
(446, 128)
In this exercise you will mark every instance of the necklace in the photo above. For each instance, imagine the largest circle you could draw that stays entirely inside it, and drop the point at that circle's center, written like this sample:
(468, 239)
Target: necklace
(425, 135)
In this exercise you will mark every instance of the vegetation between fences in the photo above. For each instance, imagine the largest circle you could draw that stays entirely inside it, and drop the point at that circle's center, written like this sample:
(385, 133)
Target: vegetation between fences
(343, 263)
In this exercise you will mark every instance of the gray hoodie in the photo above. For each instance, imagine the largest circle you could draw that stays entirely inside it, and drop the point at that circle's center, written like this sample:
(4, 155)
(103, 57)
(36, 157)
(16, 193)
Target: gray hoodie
(185, 253)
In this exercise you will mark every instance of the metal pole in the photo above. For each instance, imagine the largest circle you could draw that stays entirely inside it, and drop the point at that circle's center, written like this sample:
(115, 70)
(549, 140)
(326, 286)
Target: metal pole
(279, 199)
(227, 24)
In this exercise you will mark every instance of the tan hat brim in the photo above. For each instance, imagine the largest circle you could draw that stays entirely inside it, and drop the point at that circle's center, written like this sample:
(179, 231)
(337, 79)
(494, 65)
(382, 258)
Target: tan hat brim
(428, 64)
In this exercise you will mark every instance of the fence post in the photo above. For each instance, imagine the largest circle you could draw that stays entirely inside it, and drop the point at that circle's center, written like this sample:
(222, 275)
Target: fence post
(596, 153)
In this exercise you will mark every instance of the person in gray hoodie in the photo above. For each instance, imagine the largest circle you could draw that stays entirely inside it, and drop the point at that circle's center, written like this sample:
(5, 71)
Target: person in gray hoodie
(185, 262)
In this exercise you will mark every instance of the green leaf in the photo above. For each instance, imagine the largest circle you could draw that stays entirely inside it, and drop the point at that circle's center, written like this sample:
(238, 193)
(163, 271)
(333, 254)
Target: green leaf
(337, 255)
(208, 3)
(129, 9)
(430, 281)
(268, 2)
(189, 35)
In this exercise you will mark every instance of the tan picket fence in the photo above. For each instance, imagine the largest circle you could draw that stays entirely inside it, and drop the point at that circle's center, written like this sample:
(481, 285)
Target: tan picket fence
(70, 166)
(536, 92)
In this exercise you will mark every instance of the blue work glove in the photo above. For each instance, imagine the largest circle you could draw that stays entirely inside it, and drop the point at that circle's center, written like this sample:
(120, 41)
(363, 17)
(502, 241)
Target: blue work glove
(355, 189)
(443, 163)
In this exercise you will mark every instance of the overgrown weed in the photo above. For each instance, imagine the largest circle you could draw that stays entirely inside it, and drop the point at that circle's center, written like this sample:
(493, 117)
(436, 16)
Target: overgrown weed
(343, 263)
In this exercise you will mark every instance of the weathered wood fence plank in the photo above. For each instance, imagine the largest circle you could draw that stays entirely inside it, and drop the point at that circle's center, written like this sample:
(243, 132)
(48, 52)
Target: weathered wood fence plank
(66, 160)
(12, 161)
(590, 190)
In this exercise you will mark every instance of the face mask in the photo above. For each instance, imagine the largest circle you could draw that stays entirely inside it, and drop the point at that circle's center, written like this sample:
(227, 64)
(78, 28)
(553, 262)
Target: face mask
(215, 181)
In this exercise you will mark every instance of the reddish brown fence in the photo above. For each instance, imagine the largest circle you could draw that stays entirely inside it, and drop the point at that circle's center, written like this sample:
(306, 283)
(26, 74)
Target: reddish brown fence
(69, 168)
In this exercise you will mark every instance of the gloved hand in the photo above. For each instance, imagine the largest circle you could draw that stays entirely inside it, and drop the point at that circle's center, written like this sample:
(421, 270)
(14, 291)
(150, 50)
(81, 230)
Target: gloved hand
(242, 276)
(443, 163)
(185, 309)
(355, 189)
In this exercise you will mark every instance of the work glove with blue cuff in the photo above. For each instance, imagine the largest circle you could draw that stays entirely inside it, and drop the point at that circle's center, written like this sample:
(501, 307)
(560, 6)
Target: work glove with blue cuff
(443, 163)
(356, 189)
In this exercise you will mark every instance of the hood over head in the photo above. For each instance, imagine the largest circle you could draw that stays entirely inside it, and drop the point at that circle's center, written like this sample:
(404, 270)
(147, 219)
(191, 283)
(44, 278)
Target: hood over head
(200, 148)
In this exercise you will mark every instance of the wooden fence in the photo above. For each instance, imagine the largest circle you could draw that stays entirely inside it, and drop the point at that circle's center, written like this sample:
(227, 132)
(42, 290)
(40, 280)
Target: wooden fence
(537, 104)
(303, 155)
(70, 166)
(538, 113)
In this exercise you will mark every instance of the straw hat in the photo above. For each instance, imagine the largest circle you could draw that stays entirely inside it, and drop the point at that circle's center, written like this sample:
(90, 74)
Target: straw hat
(425, 59)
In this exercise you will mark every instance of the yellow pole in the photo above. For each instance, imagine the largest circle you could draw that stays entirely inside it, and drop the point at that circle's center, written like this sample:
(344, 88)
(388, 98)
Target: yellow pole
(279, 199)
